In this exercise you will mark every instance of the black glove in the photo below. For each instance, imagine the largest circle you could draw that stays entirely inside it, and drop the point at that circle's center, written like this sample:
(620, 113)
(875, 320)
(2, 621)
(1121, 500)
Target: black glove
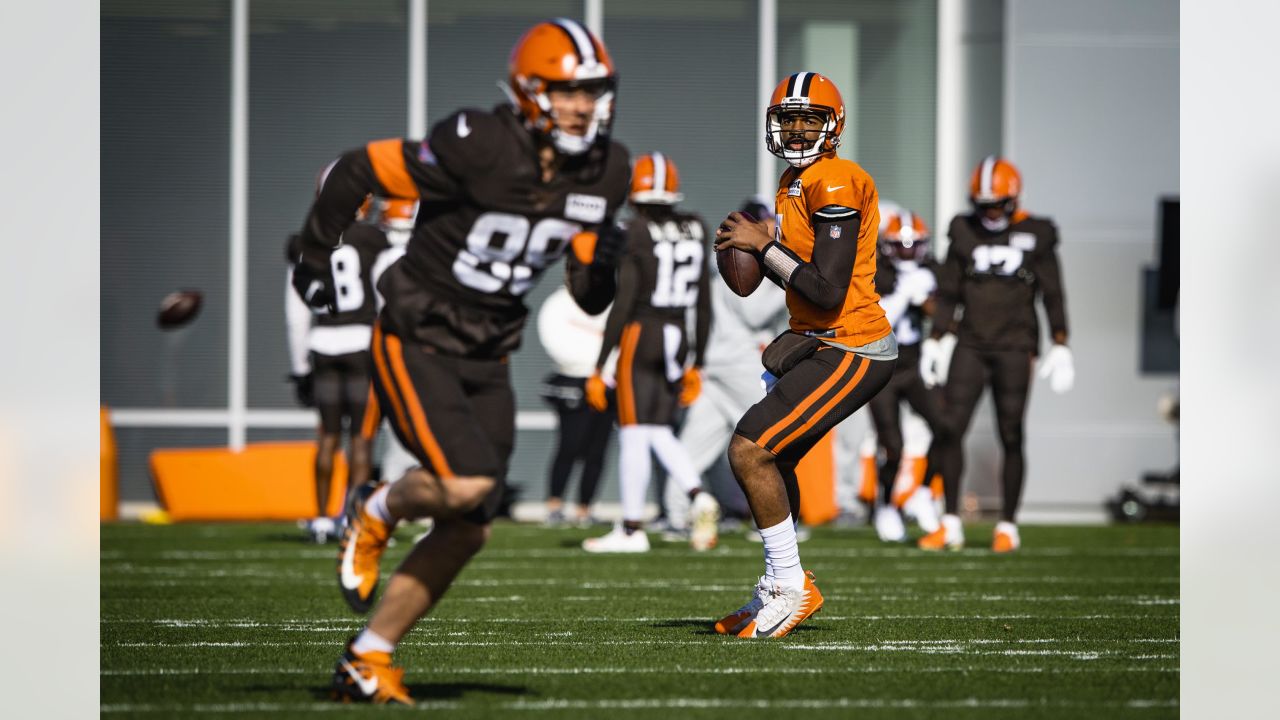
(313, 278)
(304, 388)
(609, 243)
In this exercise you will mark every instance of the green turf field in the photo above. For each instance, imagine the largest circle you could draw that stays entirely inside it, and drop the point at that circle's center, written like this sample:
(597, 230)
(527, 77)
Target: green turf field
(247, 620)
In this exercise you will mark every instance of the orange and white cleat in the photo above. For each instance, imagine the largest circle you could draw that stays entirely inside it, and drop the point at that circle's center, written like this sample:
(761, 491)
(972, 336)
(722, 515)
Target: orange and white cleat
(360, 553)
(1006, 538)
(733, 623)
(783, 610)
(368, 677)
(950, 536)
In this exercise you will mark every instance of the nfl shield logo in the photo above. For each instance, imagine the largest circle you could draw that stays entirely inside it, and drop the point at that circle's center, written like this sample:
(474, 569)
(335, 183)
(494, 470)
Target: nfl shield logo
(835, 232)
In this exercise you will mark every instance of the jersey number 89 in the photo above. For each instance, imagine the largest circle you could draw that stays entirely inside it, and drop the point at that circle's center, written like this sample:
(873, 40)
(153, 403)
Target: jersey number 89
(502, 251)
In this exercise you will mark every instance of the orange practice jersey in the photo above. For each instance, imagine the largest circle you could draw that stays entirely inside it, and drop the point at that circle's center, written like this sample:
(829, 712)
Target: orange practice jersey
(801, 192)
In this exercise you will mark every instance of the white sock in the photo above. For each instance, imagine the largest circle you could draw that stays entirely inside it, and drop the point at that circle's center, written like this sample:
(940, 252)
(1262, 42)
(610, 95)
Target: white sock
(370, 641)
(376, 505)
(635, 464)
(782, 552)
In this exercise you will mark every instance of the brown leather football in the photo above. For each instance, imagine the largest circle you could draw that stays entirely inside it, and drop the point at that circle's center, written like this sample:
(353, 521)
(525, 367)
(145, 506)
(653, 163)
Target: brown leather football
(179, 308)
(740, 269)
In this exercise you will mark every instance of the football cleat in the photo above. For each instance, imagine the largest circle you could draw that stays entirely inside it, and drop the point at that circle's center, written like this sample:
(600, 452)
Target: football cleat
(368, 677)
(618, 540)
(1006, 538)
(921, 508)
(950, 536)
(733, 623)
(704, 516)
(360, 552)
(889, 525)
(783, 610)
(321, 529)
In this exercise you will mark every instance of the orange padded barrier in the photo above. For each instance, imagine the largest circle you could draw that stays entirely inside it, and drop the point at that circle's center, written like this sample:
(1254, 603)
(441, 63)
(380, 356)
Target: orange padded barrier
(265, 481)
(817, 475)
(108, 473)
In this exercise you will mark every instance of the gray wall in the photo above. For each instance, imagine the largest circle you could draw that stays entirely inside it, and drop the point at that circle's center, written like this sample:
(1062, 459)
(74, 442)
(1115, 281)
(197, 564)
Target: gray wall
(1091, 119)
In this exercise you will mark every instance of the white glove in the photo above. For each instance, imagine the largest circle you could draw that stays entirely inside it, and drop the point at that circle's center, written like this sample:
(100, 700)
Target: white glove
(916, 285)
(935, 359)
(1059, 368)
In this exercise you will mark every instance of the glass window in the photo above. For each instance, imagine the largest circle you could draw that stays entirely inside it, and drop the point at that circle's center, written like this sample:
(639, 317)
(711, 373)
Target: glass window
(323, 78)
(882, 55)
(165, 167)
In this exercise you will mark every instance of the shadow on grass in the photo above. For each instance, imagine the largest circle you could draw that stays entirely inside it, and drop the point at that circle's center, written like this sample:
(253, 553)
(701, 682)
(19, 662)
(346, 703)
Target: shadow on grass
(696, 627)
(444, 691)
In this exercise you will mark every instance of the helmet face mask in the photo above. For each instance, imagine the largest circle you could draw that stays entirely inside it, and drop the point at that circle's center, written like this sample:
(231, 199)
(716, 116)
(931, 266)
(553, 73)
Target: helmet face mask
(806, 110)
(556, 65)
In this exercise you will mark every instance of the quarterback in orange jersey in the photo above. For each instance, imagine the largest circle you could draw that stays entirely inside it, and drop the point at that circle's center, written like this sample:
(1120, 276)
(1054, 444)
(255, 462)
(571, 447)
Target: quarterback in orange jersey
(504, 195)
(840, 350)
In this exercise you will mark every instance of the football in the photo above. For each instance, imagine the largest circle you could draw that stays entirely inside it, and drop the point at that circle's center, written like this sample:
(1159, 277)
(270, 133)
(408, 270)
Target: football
(179, 308)
(740, 269)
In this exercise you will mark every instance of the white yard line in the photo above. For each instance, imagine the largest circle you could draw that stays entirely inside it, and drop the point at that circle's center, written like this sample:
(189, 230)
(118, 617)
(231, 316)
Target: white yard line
(664, 670)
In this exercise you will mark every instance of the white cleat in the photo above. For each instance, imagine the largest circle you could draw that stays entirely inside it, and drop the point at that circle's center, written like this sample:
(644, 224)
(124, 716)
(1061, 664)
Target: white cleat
(321, 529)
(1005, 539)
(889, 526)
(704, 516)
(783, 610)
(921, 508)
(948, 536)
(618, 540)
(733, 623)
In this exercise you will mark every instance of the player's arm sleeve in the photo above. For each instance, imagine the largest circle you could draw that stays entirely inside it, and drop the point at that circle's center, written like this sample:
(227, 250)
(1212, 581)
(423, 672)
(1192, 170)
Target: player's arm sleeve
(628, 288)
(950, 274)
(298, 323)
(1049, 277)
(823, 281)
(702, 318)
(390, 168)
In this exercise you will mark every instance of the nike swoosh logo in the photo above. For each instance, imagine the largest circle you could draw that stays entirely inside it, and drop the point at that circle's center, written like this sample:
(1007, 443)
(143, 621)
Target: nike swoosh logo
(367, 685)
(833, 189)
(772, 630)
(350, 580)
(463, 129)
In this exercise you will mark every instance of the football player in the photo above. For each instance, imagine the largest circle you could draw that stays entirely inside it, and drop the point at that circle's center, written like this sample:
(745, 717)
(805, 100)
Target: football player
(906, 282)
(1000, 260)
(840, 350)
(329, 354)
(504, 194)
(661, 277)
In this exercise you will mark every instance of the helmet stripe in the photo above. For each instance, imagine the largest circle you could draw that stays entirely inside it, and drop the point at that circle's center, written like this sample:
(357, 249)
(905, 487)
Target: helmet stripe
(659, 172)
(987, 176)
(808, 80)
(799, 85)
(580, 38)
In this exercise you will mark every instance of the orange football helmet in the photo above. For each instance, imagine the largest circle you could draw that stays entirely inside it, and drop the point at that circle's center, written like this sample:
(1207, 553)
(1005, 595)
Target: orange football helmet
(562, 54)
(805, 91)
(655, 181)
(906, 237)
(994, 190)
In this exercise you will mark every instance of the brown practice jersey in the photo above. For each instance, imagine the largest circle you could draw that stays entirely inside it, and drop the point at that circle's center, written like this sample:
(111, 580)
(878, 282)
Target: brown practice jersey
(662, 275)
(352, 265)
(996, 277)
(802, 194)
(487, 227)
